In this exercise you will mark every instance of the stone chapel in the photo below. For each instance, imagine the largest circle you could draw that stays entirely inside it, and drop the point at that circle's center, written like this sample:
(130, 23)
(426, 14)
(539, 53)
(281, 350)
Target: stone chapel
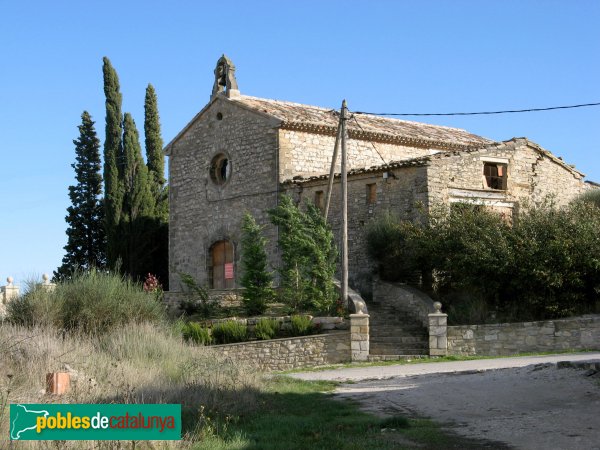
(239, 153)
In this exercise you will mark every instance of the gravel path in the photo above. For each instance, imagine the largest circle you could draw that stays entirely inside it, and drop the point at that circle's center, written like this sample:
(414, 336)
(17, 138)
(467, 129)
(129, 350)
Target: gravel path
(525, 402)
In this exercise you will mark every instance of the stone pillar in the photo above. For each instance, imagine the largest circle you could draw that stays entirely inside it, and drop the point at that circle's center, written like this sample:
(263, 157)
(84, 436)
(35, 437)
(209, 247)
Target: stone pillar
(438, 332)
(46, 284)
(359, 337)
(7, 293)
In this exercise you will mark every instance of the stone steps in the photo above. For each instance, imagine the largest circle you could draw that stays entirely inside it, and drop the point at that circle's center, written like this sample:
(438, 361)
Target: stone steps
(395, 333)
(376, 358)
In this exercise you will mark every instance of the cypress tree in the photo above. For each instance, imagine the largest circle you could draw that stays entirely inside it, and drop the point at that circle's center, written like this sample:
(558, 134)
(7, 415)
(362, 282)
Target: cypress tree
(113, 160)
(154, 155)
(257, 280)
(86, 243)
(138, 203)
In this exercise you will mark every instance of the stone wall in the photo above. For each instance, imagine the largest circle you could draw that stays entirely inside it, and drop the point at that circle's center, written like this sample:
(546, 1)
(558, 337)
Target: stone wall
(203, 212)
(532, 173)
(406, 298)
(307, 154)
(292, 353)
(400, 193)
(576, 333)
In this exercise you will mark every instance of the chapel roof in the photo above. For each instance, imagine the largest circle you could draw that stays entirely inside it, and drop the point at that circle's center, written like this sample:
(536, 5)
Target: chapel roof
(325, 120)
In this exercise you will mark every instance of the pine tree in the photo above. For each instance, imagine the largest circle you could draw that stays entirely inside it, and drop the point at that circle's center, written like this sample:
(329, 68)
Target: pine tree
(154, 155)
(308, 256)
(86, 242)
(137, 218)
(113, 160)
(256, 279)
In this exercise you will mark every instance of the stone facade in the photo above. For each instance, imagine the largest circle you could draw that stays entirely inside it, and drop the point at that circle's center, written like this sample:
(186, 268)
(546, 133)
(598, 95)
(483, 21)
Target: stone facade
(291, 353)
(578, 333)
(271, 147)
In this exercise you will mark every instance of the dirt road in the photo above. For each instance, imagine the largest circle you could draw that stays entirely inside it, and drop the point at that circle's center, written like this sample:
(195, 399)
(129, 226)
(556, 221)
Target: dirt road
(527, 403)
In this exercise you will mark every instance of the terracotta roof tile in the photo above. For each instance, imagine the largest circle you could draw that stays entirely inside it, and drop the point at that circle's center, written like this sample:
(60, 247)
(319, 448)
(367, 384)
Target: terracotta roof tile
(294, 115)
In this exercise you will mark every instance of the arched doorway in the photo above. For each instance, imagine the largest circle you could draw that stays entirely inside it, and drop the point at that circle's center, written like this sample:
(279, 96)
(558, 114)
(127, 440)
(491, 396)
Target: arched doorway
(221, 265)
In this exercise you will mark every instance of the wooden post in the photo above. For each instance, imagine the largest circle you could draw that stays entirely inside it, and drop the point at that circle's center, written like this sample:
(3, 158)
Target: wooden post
(332, 169)
(344, 206)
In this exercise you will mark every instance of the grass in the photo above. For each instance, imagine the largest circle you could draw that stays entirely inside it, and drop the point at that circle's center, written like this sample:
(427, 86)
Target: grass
(138, 363)
(225, 404)
(295, 414)
(421, 360)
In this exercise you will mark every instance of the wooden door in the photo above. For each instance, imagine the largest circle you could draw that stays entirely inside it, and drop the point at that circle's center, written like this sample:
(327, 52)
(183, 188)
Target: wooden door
(222, 265)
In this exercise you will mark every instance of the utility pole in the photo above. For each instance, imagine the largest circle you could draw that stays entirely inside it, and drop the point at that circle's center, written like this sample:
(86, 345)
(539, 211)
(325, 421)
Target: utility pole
(332, 168)
(344, 205)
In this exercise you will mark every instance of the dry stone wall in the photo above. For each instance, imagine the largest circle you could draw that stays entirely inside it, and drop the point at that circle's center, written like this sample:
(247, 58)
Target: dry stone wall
(578, 333)
(291, 353)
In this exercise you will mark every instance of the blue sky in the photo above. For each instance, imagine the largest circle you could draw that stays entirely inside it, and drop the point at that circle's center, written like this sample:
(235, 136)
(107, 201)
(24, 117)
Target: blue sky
(382, 56)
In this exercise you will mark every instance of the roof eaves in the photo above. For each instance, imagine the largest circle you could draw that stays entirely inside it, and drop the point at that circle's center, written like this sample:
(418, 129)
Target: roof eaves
(387, 138)
(414, 162)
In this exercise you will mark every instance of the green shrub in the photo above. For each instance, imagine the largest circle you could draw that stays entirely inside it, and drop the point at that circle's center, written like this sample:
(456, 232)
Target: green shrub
(266, 329)
(197, 300)
(301, 325)
(592, 197)
(193, 331)
(92, 302)
(542, 264)
(230, 332)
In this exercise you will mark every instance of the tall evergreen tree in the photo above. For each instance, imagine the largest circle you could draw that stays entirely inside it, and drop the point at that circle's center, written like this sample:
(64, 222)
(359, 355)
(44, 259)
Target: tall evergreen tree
(154, 155)
(257, 279)
(138, 200)
(137, 219)
(113, 160)
(86, 239)
(308, 256)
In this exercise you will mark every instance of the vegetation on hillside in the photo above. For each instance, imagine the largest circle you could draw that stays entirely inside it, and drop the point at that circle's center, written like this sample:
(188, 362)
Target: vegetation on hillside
(91, 302)
(546, 264)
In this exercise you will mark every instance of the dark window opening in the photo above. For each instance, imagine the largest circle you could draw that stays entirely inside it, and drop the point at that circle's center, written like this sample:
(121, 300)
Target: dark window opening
(219, 116)
(320, 200)
(371, 194)
(220, 169)
(494, 176)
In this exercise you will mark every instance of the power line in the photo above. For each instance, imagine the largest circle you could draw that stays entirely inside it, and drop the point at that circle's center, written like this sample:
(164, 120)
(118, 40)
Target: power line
(374, 148)
(479, 113)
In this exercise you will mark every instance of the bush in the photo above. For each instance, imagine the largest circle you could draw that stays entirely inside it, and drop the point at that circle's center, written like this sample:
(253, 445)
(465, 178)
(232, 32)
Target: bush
(592, 197)
(230, 332)
(266, 329)
(92, 301)
(193, 331)
(301, 325)
(544, 265)
(197, 300)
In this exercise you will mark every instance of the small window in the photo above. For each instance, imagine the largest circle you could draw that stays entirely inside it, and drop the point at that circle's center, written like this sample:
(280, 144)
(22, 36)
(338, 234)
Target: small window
(371, 194)
(494, 176)
(220, 169)
(219, 116)
(320, 200)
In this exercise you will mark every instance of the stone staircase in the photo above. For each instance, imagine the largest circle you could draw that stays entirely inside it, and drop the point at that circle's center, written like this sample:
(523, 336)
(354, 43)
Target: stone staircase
(398, 322)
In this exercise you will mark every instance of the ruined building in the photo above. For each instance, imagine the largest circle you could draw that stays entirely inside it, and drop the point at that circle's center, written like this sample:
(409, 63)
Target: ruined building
(239, 153)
